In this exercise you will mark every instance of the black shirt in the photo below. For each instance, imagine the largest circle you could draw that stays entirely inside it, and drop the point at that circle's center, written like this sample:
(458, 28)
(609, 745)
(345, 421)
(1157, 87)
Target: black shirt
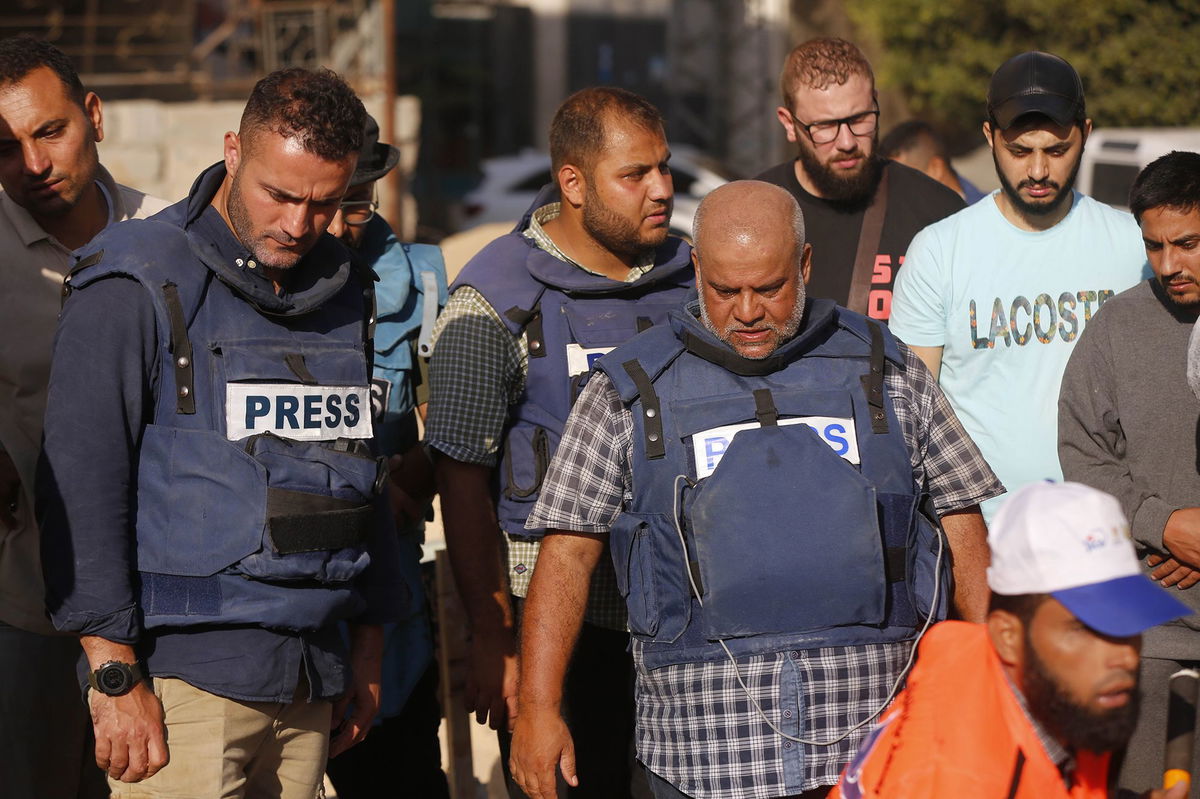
(914, 201)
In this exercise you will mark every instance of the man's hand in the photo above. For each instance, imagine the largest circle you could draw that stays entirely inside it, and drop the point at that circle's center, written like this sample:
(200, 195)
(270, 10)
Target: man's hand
(1181, 536)
(363, 692)
(1171, 572)
(492, 674)
(10, 491)
(411, 475)
(541, 744)
(131, 741)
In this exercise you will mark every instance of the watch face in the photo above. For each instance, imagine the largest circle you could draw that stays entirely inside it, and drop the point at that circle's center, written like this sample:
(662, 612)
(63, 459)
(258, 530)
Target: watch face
(113, 678)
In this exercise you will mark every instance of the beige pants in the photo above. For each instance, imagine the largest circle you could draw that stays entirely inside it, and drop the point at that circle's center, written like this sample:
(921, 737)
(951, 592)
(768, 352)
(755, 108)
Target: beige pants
(225, 749)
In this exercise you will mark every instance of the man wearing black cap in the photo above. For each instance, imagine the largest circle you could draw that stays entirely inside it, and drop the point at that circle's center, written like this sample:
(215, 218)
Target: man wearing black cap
(994, 297)
(410, 291)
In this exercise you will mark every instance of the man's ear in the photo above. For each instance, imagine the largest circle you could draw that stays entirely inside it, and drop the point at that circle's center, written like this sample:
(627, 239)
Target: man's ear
(94, 110)
(572, 184)
(696, 266)
(806, 263)
(1008, 637)
(233, 152)
(988, 132)
(1086, 130)
(788, 121)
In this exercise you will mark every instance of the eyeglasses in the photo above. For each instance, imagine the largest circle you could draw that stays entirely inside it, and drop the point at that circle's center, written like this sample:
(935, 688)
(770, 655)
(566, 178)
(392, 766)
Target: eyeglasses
(824, 132)
(359, 212)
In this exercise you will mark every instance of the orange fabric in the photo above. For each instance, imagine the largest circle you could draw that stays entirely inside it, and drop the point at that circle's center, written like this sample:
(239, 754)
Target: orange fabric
(957, 730)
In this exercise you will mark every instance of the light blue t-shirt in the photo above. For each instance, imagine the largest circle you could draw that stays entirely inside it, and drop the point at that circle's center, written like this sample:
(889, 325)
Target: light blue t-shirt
(1007, 306)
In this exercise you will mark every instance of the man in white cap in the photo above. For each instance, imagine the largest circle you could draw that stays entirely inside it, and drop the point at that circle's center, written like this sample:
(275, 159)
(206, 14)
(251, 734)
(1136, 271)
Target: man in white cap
(1034, 702)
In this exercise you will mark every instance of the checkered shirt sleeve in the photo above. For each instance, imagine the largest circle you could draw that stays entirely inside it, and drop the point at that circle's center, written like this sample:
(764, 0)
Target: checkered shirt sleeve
(589, 479)
(476, 371)
(945, 460)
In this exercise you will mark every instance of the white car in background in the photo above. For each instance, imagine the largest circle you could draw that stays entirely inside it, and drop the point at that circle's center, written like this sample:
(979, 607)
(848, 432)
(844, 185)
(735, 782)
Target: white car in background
(1114, 157)
(511, 182)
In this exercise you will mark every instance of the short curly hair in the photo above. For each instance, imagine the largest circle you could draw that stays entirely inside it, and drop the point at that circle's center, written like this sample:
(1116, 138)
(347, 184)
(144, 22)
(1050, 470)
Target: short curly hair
(22, 54)
(817, 63)
(316, 107)
(579, 129)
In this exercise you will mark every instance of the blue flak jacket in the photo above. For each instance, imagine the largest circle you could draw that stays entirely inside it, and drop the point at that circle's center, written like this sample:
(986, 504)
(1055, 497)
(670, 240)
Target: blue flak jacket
(256, 486)
(798, 517)
(570, 318)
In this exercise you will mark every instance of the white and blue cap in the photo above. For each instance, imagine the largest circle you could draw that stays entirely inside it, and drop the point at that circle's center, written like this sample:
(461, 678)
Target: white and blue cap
(1072, 542)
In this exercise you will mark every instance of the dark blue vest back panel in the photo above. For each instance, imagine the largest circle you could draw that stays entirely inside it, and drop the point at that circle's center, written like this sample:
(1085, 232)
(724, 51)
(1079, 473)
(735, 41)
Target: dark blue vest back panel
(228, 530)
(784, 498)
(570, 318)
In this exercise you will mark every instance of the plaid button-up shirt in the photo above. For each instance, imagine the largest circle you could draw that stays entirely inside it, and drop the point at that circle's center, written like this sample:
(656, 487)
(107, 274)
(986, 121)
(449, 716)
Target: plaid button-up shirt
(696, 727)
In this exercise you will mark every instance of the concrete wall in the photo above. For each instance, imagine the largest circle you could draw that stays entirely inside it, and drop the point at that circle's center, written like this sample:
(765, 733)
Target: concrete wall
(160, 147)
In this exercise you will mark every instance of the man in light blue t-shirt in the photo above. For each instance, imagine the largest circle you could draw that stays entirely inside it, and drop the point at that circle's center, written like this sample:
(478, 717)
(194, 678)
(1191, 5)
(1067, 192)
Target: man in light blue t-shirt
(994, 297)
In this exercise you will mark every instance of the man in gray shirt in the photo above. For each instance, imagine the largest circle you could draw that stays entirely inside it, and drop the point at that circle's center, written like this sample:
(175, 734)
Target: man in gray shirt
(1127, 424)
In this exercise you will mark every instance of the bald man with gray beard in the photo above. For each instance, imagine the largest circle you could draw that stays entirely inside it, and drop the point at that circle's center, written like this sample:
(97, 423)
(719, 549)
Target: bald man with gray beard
(738, 461)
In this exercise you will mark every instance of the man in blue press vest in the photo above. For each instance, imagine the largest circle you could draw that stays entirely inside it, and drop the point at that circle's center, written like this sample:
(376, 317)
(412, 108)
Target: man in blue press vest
(588, 266)
(209, 502)
(411, 288)
(767, 471)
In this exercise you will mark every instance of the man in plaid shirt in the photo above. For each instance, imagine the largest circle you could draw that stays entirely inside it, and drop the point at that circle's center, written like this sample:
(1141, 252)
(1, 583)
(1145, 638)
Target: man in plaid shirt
(732, 702)
(589, 265)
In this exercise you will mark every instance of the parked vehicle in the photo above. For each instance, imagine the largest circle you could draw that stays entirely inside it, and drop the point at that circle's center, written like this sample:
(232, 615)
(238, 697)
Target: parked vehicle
(511, 182)
(1114, 156)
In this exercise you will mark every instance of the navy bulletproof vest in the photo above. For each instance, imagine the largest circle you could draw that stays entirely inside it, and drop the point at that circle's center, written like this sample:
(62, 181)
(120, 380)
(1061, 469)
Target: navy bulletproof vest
(782, 489)
(255, 484)
(570, 318)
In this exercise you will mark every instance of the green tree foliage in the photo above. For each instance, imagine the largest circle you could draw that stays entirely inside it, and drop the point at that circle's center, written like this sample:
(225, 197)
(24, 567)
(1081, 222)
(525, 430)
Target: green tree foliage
(1139, 59)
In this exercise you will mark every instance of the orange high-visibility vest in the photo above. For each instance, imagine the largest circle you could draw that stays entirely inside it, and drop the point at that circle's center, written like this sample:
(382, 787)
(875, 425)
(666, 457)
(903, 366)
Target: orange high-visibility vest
(957, 731)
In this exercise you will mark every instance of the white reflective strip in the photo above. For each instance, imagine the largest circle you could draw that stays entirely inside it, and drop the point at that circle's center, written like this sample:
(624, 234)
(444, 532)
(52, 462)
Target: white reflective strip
(429, 312)
(709, 445)
(303, 413)
(580, 359)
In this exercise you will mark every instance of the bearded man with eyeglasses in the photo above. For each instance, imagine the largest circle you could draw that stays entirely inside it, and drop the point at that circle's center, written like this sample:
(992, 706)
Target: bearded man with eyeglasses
(862, 210)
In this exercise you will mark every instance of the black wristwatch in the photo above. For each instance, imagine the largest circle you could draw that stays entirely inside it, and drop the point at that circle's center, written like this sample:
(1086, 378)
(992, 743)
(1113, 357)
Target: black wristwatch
(115, 678)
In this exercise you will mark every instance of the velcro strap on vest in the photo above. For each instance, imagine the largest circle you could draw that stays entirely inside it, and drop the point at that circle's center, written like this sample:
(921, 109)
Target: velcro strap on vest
(181, 352)
(873, 381)
(895, 562)
(764, 408)
(651, 410)
(302, 522)
(295, 362)
(531, 322)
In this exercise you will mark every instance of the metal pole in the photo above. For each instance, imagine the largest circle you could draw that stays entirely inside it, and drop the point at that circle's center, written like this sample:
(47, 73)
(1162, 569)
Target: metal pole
(394, 181)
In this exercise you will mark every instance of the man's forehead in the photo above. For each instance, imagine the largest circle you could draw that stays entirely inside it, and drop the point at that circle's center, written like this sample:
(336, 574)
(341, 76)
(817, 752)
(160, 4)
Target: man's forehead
(1171, 222)
(835, 99)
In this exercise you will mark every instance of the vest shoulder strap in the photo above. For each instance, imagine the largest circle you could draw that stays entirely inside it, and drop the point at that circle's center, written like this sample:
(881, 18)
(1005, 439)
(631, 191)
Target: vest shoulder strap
(654, 350)
(174, 277)
(500, 274)
(861, 326)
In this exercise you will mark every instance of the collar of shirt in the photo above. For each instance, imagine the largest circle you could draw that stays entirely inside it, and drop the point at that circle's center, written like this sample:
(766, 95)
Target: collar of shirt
(1059, 755)
(30, 231)
(537, 234)
(210, 226)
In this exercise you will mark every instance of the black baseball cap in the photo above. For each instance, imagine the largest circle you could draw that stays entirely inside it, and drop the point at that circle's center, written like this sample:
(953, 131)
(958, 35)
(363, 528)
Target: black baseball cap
(375, 159)
(1035, 83)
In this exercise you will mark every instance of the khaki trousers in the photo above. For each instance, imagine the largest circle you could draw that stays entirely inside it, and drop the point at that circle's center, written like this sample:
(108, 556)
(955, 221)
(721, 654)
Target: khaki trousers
(226, 749)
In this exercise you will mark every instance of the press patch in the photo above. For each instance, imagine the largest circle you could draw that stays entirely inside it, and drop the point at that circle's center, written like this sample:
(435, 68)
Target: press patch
(709, 445)
(300, 412)
(580, 359)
